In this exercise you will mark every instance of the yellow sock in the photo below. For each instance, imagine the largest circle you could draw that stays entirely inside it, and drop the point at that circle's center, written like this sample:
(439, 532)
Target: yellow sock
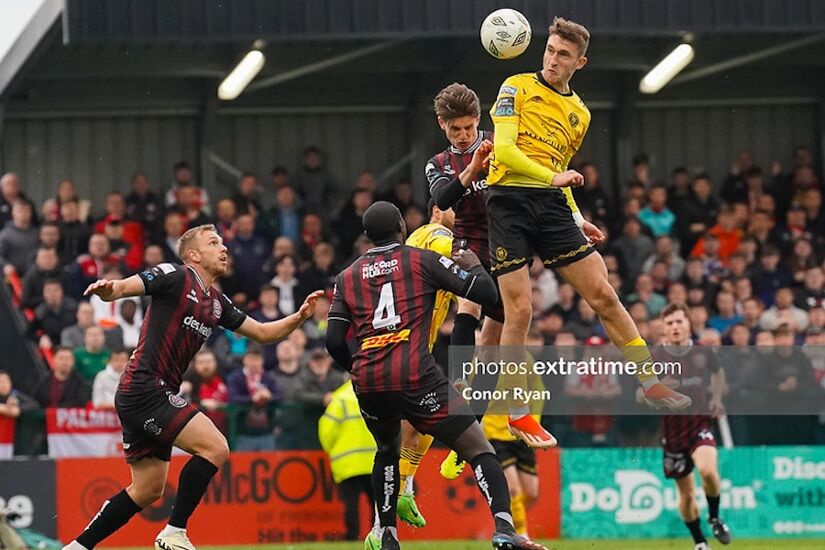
(411, 459)
(519, 514)
(637, 351)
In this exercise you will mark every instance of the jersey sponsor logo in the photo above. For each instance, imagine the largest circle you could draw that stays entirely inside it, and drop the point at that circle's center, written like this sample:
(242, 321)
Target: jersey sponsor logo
(201, 328)
(383, 340)
(477, 187)
(376, 269)
(177, 401)
(706, 435)
(574, 119)
(446, 262)
(166, 268)
(192, 296)
(507, 90)
(148, 275)
(430, 402)
(505, 106)
(217, 308)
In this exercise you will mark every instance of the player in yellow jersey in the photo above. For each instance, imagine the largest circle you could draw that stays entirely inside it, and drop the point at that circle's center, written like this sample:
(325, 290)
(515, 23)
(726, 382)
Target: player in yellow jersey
(540, 124)
(517, 459)
(438, 237)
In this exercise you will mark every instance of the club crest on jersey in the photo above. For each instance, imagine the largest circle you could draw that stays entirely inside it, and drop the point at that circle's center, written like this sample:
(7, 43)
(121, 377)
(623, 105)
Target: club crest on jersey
(574, 119)
(177, 401)
(151, 427)
(501, 253)
(375, 269)
(430, 402)
(217, 308)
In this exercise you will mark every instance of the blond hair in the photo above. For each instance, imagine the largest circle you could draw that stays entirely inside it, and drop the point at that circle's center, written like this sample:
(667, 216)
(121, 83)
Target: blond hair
(571, 31)
(186, 242)
(456, 101)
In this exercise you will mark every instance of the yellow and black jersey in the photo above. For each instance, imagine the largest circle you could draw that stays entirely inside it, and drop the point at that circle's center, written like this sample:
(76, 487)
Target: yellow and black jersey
(547, 128)
(439, 239)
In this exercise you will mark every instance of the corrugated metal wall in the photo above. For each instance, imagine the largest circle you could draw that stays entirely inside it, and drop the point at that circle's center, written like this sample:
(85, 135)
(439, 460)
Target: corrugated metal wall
(707, 138)
(352, 142)
(99, 154)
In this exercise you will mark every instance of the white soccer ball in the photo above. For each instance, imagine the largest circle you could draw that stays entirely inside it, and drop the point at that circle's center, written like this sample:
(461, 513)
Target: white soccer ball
(505, 33)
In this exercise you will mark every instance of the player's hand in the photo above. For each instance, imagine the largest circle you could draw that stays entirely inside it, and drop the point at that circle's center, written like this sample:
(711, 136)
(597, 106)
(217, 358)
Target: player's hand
(308, 307)
(103, 288)
(481, 157)
(571, 178)
(466, 259)
(593, 233)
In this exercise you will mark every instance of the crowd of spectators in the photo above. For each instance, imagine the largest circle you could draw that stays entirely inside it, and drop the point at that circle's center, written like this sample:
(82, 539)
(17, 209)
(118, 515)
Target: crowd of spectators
(745, 254)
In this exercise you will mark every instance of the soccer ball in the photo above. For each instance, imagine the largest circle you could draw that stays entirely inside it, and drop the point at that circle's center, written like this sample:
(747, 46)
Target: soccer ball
(505, 33)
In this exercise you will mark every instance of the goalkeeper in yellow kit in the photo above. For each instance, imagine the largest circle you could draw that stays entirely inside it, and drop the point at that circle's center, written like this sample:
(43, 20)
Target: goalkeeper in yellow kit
(540, 123)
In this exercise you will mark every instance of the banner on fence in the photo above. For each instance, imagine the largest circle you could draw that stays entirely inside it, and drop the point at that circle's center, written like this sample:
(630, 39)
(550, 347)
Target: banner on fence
(6, 437)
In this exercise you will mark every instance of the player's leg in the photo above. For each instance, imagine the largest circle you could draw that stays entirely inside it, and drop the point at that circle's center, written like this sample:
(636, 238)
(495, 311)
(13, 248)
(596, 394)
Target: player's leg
(468, 315)
(705, 457)
(689, 510)
(413, 448)
(528, 480)
(148, 481)
(588, 276)
(516, 499)
(200, 437)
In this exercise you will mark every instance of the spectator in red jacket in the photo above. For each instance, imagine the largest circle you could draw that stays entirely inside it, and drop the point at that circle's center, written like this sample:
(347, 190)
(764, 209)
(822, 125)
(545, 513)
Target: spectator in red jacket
(122, 232)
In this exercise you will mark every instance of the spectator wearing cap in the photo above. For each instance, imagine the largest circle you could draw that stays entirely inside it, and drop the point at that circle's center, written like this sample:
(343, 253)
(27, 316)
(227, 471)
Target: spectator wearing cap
(62, 386)
(254, 388)
(768, 275)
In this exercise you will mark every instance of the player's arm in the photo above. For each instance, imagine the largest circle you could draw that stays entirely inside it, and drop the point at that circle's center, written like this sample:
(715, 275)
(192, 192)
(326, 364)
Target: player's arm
(447, 191)
(338, 323)
(464, 277)
(272, 331)
(109, 291)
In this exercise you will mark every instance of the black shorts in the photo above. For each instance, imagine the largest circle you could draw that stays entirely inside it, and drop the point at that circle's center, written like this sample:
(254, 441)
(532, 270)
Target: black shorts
(515, 453)
(151, 420)
(435, 408)
(482, 250)
(524, 222)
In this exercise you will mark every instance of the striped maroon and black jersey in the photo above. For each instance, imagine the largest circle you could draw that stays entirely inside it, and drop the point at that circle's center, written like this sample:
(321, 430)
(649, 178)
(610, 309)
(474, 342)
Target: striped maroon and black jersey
(388, 295)
(470, 211)
(181, 317)
(697, 364)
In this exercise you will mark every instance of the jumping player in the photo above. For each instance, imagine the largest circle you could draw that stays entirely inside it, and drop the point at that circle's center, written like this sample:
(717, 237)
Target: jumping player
(458, 179)
(388, 295)
(688, 440)
(185, 309)
(540, 124)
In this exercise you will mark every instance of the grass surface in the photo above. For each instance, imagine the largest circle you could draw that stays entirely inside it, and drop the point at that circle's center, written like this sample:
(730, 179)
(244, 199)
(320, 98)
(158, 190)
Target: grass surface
(681, 544)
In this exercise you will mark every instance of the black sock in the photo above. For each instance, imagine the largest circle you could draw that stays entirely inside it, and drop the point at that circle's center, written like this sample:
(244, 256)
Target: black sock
(493, 486)
(194, 479)
(385, 481)
(464, 330)
(114, 514)
(713, 506)
(695, 531)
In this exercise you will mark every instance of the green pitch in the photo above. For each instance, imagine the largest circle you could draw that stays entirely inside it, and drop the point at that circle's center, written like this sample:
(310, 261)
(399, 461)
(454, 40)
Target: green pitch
(680, 544)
